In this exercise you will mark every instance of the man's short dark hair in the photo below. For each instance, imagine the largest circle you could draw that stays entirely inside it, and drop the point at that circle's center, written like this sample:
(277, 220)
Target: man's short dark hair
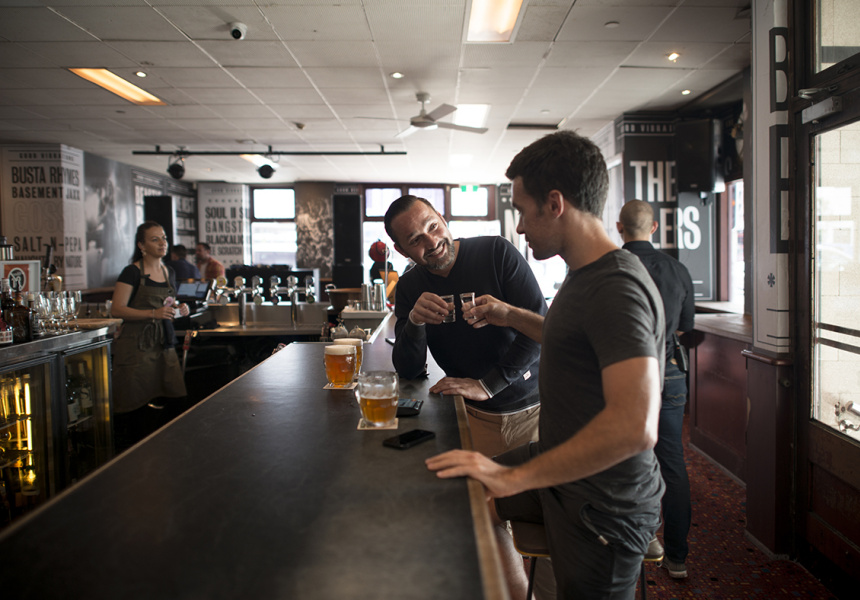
(205, 246)
(180, 251)
(567, 162)
(400, 206)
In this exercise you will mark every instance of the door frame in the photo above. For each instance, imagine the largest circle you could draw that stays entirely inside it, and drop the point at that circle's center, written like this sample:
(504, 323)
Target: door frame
(824, 457)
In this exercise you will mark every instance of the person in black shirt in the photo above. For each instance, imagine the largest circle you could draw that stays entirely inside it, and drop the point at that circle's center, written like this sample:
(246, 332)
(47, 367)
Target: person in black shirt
(145, 367)
(636, 225)
(495, 369)
(180, 265)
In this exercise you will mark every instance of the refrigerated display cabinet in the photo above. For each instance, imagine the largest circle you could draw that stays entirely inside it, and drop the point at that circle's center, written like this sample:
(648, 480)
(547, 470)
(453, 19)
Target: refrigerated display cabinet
(55, 417)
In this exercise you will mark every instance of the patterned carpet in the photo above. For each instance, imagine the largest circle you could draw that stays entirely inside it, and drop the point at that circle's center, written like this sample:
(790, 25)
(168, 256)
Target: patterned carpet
(722, 564)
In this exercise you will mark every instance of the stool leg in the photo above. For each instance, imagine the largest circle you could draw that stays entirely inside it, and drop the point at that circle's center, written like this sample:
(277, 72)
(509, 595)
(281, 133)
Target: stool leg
(532, 564)
(643, 592)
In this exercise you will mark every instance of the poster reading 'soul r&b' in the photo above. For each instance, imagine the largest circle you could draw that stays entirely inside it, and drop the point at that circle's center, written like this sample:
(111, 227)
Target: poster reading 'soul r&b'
(42, 201)
(222, 210)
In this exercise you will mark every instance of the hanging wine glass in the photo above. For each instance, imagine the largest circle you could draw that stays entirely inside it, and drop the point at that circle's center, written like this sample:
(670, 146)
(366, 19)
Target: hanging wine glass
(43, 306)
(71, 310)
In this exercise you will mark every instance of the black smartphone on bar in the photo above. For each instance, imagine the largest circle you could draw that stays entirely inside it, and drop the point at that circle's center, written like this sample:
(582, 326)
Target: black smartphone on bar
(409, 439)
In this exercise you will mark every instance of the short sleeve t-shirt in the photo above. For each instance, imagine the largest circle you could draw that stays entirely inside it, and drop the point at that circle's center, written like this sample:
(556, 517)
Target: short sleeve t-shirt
(605, 312)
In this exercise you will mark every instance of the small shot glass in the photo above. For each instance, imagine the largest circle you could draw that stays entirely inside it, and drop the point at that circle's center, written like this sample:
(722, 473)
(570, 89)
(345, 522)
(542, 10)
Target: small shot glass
(467, 301)
(450, 317)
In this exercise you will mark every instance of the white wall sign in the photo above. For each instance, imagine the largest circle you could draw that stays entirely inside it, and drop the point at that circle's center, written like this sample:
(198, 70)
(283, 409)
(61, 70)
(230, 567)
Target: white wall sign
(42, 192)
(223, 221)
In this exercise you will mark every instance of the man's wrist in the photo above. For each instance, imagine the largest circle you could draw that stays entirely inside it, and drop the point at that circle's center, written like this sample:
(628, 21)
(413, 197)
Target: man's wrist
(412, 319)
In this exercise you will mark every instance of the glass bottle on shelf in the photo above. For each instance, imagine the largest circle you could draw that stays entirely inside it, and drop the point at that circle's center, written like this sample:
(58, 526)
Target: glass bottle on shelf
(20, 316)
(85, 390)
(6, 304)
(35, 322)
(72, 401)
(6, 336)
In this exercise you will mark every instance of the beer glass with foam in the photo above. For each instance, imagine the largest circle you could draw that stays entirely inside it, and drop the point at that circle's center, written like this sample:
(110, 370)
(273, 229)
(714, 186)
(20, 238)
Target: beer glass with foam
(377, 394)
(340, 364)
(358, 353)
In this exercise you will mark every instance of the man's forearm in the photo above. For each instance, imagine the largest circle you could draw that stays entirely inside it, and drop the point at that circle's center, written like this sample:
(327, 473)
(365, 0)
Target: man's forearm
(526, 322)
(598, 446)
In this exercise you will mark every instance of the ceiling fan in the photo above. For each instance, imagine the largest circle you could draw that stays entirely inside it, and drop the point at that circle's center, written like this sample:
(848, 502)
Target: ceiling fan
(425, 120)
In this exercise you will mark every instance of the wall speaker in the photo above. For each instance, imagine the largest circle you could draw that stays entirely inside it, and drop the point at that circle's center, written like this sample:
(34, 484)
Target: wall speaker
(697, 156)
(347, 218)
(162, 210)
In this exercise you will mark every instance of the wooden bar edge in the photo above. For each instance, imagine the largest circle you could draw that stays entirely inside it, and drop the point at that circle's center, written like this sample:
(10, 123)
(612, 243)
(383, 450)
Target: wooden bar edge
(492, 575)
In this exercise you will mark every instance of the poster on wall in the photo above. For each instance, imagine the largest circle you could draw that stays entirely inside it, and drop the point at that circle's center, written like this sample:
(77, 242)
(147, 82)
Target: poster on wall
(110, 219)
(222, 215)
(683, 227)
(42, 206)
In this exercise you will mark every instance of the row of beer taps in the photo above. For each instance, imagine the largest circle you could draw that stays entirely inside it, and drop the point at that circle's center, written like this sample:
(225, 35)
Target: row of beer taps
(240, 292)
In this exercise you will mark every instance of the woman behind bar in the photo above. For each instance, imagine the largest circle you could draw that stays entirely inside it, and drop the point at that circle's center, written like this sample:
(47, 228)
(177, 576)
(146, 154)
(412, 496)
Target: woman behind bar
(146, 367)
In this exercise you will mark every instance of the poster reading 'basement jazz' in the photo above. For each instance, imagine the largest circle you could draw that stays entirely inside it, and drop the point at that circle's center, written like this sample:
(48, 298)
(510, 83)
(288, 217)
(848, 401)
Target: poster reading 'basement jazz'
(43, 206)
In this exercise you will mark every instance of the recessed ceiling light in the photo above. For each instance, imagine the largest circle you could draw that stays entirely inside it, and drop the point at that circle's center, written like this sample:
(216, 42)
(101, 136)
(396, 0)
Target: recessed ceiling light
(611, 24)
(493, 21)
(140, 74)
(246, 141)
(544, 111)
(673, 56)
(119, 86)
(397, 75)
(685, 93)
(471, 115)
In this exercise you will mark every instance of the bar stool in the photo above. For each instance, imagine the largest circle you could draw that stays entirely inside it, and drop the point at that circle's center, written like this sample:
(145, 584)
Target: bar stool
(530, 540)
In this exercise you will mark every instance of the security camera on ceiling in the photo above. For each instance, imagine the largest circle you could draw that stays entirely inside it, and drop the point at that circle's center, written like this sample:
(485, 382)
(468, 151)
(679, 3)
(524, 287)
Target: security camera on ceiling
(238, 31)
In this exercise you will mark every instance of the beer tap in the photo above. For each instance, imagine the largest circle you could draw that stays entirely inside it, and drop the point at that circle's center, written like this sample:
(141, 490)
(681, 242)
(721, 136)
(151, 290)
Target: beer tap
(51, 282)
(293, 289)
(240, 290)
(257, 290)
(275, 289)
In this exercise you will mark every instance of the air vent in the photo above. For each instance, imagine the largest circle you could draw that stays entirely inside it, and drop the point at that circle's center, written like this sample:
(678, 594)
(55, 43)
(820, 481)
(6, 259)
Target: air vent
(540, 126)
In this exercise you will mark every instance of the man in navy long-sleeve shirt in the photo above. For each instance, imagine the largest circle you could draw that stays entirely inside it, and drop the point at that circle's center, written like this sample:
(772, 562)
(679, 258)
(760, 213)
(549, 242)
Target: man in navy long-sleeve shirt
(494, 368)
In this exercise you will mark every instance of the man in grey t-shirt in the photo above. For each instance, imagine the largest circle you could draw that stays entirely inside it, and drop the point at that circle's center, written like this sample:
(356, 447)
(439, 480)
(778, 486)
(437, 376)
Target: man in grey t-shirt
(592, 478)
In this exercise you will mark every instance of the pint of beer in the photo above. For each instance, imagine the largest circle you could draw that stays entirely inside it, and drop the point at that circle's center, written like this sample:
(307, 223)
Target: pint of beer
(377, 393)
(358, 345)
(340, 364)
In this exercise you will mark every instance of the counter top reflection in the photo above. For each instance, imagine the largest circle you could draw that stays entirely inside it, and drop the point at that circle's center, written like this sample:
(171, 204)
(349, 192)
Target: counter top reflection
(267, 489)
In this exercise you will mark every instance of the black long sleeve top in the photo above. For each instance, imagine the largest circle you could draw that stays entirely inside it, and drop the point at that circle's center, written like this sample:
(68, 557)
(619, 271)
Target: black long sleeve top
(505, 360)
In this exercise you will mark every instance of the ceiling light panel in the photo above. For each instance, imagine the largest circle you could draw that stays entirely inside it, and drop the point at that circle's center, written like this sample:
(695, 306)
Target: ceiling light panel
(493, 20)
(119, 86)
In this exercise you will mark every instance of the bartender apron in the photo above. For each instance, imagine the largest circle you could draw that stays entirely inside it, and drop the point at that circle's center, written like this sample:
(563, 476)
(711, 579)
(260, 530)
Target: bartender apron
(143, 368)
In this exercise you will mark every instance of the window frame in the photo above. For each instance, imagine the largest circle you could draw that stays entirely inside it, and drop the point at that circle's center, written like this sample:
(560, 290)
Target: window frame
(446, 188)
(253, 219)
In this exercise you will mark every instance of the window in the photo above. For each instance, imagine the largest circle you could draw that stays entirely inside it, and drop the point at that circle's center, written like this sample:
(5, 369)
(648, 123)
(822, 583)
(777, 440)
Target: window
(436, 196)
(273, 226)
(470, 201)
(377, 200)
(736, 264)
(469, 210)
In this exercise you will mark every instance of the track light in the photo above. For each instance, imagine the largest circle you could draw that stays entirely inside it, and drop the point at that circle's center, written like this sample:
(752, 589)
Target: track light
(266, 171)
(176, 168)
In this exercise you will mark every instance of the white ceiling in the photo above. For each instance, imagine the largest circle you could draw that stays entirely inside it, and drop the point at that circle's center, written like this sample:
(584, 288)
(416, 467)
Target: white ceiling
(323, 63)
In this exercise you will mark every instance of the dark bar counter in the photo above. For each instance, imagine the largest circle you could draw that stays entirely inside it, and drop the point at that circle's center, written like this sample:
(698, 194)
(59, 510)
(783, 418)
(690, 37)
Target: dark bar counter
(266, 489)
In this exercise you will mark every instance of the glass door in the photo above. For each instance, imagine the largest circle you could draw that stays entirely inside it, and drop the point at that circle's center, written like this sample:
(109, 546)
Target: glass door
(836, 279)
(825, 113)
(87, 442)
(25, 394)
